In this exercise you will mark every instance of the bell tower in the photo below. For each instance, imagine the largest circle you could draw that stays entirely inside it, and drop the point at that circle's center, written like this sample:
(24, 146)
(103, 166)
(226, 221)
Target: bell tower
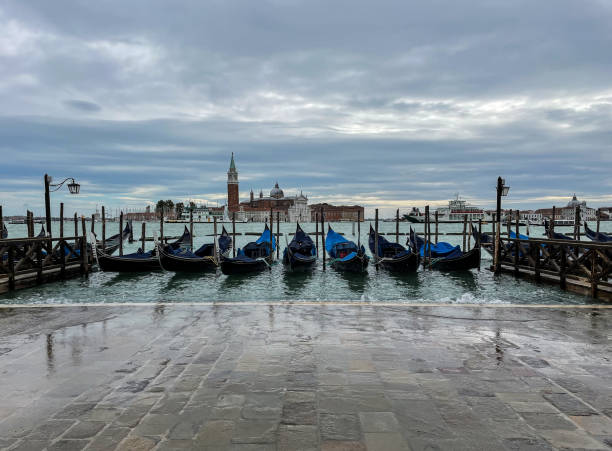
(232, 187)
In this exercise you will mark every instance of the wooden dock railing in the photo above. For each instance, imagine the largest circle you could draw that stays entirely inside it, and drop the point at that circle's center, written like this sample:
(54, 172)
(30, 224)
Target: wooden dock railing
(30, 261)
(583, 266)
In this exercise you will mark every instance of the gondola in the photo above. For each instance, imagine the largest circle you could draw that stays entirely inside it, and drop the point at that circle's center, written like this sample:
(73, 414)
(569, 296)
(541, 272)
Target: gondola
(444, 256)
(345, 255)
(4, 232)
(600, 237)
(139, 261)
(393, 256)
(552, 235)
(255, 256)
(203, 259)
(301, 252)
(485, 241)
(111, 244)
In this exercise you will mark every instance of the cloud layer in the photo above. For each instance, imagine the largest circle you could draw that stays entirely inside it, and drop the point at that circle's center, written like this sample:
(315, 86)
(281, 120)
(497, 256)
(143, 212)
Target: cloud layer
(389, 104)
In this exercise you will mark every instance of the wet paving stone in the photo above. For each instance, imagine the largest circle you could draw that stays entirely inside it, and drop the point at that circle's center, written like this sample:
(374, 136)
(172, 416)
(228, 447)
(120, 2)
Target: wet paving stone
(233, 377)
(569, 404)
(526, 444)
(84, 429)
(339, 427)
(547, 421)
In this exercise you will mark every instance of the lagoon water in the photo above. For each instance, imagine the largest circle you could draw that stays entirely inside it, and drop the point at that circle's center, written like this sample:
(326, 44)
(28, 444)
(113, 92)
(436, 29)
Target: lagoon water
(277, 285)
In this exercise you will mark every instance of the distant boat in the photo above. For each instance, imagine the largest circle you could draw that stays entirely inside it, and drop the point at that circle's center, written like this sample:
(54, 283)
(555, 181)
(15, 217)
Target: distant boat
(255, 256)
(301, 252)
(444, 256)
(202, 259)
(456, 210)
(415, 216)
(345, 255)
(392, 256)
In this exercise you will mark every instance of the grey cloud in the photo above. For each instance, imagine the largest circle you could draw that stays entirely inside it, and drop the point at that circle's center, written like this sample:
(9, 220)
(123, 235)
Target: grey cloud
(395, 100)
(83, 105)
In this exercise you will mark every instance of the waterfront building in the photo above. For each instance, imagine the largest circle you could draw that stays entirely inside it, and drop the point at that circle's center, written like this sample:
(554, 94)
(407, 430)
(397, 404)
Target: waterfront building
(567, 214)
(257, 209)
(138, 216)
(337, 213)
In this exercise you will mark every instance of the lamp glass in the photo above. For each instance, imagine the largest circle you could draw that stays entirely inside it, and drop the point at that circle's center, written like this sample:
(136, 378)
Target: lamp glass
(505, 190)
(74, 188)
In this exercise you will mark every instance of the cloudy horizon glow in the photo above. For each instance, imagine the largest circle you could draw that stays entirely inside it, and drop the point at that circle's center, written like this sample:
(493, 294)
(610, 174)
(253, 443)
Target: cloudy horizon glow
(387, 105)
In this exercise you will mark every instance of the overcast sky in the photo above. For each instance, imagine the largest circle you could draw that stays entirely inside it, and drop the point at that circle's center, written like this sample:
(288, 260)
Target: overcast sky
(386, 104)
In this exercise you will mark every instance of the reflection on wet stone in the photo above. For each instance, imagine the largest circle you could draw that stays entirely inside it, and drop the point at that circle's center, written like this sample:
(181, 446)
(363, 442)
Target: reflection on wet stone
(307, 377)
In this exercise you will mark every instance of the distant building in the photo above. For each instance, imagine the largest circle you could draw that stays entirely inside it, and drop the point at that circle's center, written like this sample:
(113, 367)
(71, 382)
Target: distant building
(337, 213)
(257, 209)
(140, 216)
(567, 214)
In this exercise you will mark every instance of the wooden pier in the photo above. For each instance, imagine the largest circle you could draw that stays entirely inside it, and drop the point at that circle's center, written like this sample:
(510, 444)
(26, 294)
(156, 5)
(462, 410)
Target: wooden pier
(580, 266)
(26, 262)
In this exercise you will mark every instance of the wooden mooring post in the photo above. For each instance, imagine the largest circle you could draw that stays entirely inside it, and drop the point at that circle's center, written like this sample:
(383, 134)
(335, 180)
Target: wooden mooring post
(477, 243)
(234, 234)
(376, 238)
(161, 229)
(62, 246)
(121, 233)
(323, 236)
(463, 237)
(436, 241)
(358, 229)
(191, 226)
(76, 230)
(517, 244)
(317, 232)
(144, 235)
(397, 226)
(1, 223)
(84, 258)
(103, 230)
(277, 234)
(215, 245)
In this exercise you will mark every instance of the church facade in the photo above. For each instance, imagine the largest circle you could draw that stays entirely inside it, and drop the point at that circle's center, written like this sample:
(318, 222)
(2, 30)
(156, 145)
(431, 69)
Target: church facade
(258, 208)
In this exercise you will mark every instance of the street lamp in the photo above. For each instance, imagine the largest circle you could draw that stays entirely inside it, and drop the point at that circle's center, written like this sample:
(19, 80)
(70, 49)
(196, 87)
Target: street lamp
(502, 190)
(73, 187)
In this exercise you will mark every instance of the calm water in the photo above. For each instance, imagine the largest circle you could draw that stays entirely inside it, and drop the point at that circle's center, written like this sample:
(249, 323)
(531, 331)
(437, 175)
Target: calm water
(473, 287)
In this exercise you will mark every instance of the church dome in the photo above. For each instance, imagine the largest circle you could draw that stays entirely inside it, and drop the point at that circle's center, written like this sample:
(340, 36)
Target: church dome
(575, 202)
(276, 192)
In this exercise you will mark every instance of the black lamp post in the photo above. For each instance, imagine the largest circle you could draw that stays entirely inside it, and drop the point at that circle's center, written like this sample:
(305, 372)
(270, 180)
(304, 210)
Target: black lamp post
(502, 190)
(73, 187)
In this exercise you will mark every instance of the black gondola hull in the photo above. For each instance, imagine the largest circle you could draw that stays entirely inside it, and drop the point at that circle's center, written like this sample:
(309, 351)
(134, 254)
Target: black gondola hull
(357, 264)
(175, 263)
(123, 264)
(231, 266)
(298, 262)
(405, 264)
(467, 261)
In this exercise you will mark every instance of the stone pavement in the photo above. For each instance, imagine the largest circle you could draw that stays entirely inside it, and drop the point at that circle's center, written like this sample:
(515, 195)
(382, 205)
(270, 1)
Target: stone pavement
(305, 377)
